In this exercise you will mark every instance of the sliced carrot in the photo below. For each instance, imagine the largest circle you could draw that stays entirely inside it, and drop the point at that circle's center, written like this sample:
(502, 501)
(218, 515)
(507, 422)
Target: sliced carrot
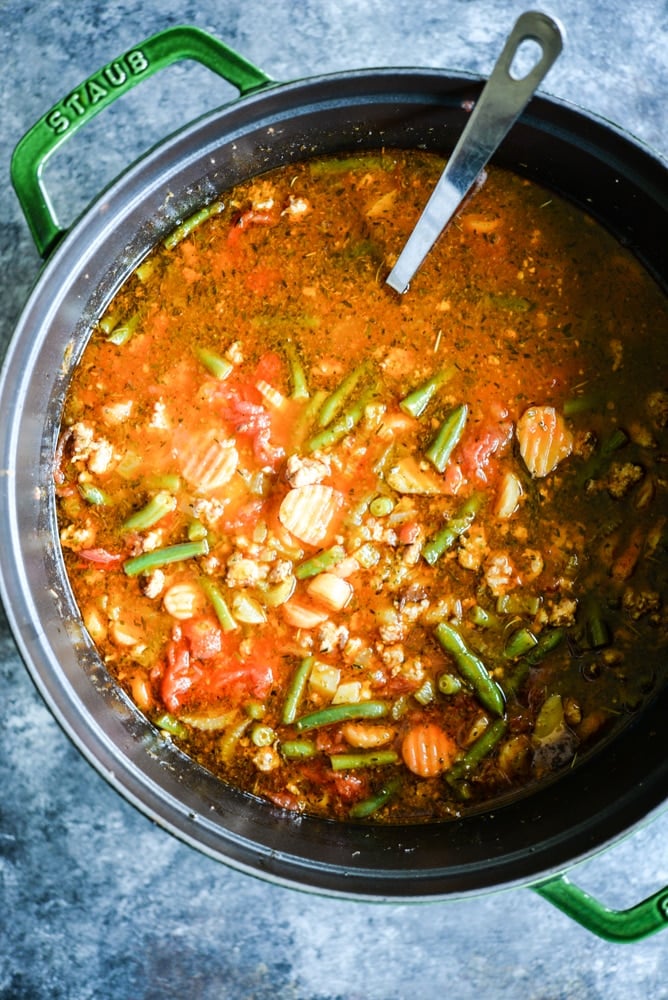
(627, 559)
(210, 464)
(427, 750)
(544, 439)
(307, 512)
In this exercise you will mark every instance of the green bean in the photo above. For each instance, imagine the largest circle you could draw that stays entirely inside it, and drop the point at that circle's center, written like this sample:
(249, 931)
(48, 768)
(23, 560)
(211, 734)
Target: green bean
(381, 506)
(337, 399)
(416, 402)
(297, 374)
(598, 633)
(297, 749)
(217, 366)
(375, 802)
(254, 710)
(448, 684)
(520, 602)
(262, 735)
(581, 404)
(483, 618)
(94, 495)
(425, 694)
(546, 642)
(296, 690)
(365, 758)
(519, 643)
(448, 437)
(122, 333)
(170, 724)
(219, 604)
(342, 713)
(161, 557)
(464, 767)
(320, 562)
(170, 482)
(158, 506)
(307, 415)
(344, 424)
(446, 537)
(197, 531)
(471, 668)
(187, 226)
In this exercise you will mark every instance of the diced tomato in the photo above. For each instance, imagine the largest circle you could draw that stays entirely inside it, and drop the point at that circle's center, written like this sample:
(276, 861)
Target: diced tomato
(242, 516)
(475, 451)
(351, 787)
(204, 637)
(453, 479)
(270, 368)
(236, 678)
(179, 676)
(252, 419)
(101, 558)
(409, 533)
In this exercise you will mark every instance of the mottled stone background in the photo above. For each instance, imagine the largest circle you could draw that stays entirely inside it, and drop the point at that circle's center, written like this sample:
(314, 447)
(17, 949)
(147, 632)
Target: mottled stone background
(96, 901)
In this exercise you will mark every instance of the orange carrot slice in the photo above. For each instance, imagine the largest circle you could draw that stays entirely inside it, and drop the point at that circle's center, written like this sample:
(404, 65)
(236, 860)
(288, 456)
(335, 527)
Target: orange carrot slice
(544, 439)
(307, 512)
(427, 750)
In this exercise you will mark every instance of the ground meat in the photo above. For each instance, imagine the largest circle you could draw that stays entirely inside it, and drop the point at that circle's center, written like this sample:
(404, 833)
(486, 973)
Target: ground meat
(622, 477)
(306, 471)
(245, 572)
(96, 452)
(637, 603)
(500, 574)
(153, 584)
(330, 637)
(657, 407)
(562, 613)
(280, 571)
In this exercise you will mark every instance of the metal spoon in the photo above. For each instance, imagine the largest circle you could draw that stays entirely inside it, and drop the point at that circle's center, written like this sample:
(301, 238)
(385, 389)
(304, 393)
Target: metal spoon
(501, 102)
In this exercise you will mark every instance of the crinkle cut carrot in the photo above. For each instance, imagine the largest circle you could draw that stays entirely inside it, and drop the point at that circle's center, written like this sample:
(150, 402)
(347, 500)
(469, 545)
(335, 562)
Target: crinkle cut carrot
(544, 439)
(307, 512)
(428, 750)
(211, 464)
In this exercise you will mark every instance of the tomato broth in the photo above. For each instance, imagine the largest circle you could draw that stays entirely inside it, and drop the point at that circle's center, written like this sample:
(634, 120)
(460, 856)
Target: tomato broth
(370, 556)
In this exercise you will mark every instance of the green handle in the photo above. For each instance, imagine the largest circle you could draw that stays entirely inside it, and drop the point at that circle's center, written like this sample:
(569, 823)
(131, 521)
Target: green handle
(638, 922)
(98, 91)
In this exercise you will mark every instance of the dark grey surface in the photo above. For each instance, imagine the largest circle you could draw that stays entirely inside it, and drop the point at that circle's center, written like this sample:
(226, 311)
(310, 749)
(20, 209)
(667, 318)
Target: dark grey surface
(97, 902)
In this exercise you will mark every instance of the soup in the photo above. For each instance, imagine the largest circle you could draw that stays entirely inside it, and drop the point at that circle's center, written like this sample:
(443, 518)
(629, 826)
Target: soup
(375, 557)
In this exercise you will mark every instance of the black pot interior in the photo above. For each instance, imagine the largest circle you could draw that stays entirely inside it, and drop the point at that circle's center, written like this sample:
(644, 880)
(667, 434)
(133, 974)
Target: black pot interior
(615, 180)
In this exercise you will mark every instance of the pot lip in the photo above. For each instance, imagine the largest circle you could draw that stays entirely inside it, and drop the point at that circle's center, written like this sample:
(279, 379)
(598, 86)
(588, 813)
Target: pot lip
(18, 358)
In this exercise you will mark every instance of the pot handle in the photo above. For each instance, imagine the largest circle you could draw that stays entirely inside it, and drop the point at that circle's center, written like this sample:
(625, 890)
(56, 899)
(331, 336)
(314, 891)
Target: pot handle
(620, 926)
(98, 91)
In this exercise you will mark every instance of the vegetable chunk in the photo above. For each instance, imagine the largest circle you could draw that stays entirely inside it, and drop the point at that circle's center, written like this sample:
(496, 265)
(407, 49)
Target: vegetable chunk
(307, 512)
(544, 440)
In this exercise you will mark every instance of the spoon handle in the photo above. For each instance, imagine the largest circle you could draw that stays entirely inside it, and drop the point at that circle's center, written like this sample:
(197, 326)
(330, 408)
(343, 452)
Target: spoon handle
(501, 102)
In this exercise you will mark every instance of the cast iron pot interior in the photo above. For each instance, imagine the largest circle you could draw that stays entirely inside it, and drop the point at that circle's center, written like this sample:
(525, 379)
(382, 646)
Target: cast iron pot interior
(565, 820)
